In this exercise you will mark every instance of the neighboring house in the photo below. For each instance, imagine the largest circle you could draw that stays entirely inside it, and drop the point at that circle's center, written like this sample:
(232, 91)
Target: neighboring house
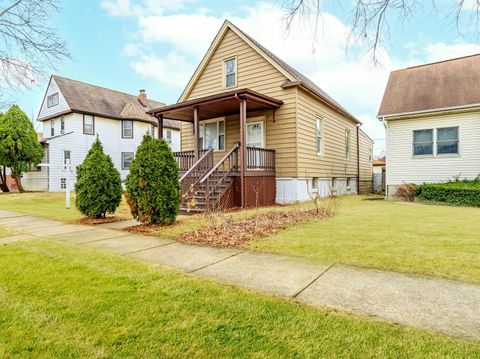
(379, 175)
(432, 118)
(272, 133)
(73, 113)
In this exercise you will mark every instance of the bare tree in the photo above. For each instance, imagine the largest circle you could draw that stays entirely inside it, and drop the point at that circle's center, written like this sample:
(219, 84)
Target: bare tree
(29, 46)
(370, 20)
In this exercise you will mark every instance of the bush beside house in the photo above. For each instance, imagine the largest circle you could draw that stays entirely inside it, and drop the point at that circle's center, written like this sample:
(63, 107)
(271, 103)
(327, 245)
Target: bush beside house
(98, 188)
(153, 189)
(458, 192)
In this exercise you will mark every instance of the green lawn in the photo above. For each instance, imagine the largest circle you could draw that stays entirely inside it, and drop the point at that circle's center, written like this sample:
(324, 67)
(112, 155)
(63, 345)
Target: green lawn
(3, 232)
(50, 205)
(442, 241)
(63, 301)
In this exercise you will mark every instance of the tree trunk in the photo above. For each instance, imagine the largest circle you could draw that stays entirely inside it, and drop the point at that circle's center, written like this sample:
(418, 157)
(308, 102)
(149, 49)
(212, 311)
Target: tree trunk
(18, 181)
(3, 180)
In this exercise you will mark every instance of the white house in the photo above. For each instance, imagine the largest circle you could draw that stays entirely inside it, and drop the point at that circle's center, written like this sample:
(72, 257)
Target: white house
(73, 113)
(432, 118)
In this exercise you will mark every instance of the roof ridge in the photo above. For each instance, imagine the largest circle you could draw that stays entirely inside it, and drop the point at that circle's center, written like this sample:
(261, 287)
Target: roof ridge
(100, 87)
(438, 62)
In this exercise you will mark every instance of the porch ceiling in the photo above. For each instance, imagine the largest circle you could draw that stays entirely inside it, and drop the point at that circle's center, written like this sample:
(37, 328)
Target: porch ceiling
(218, 105)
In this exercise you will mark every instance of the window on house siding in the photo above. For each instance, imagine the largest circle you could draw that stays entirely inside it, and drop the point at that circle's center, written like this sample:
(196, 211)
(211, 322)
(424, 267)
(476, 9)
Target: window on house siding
(169, 136)
(423, 142)
(314, 184)
(212, 135)
(88, 124)
(349, 184)
(152, 130)
(63, 183)
(52, 128)
(319, 136)
(52, 100)
(66, 157)
(230, 72)
(62, 125)
(127, 129)
(127, 158)
(347, 144)
(447, 140)
(370, 155)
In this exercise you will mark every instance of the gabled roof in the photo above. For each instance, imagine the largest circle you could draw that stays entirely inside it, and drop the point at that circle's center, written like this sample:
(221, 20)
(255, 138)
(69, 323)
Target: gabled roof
(294, 77)
(433, 87)
(91, 99)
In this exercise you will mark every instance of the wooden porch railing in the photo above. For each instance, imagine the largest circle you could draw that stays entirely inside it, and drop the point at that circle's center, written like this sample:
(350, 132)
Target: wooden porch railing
(186, 159)
(195, 173)
(216, 181)
(260, 159)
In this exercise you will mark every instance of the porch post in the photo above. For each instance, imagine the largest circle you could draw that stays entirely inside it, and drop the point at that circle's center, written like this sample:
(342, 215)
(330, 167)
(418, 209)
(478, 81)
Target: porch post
(160, 127)
(243, 147)
(196, 132)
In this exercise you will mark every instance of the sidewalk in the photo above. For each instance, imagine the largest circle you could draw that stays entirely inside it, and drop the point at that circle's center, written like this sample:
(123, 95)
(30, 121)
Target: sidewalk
(444, 306)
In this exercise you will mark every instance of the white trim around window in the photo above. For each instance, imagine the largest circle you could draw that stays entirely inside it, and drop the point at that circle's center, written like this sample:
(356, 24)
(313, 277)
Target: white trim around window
(127, 129)
(127, 158)
(53, 100)
(219, 141)
(230, 72)
(319, 136)
(435, 142)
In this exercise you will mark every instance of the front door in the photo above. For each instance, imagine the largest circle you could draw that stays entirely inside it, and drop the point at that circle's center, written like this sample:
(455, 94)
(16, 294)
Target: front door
(255, 138)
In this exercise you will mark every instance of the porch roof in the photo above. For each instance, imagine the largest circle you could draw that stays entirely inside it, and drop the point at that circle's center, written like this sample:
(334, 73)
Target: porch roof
(218, 105)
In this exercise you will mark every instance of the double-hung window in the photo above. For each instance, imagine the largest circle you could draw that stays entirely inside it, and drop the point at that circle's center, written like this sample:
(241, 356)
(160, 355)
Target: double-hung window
(52, 128)
(66, 158)
(347, 144)
(169, 136)
(127, 158)
(127, 129)
(230, 68)
(62, 125)
(212, 135)
(319, 136)
(88, 124)
(423, 142)
(447, 141)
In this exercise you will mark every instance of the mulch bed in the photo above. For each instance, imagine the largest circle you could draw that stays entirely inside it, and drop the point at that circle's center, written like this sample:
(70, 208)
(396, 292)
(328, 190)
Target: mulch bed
(93, 221)
(229, 233)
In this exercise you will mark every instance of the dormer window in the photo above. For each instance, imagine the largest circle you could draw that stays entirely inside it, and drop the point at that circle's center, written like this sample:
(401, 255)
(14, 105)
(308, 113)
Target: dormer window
(52, 100)
(230, 66)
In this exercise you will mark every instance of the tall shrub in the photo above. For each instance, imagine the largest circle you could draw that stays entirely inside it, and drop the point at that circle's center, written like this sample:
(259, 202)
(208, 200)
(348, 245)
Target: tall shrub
(153, 189)
(19, 146)
(98, 188)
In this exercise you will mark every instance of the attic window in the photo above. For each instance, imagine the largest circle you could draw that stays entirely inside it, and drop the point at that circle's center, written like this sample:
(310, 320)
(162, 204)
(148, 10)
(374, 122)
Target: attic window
(230, 66)
(52, 100)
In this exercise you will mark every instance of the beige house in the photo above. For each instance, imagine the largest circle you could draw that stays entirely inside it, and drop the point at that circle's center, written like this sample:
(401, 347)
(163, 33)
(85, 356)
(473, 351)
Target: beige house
(255, 131)
(432, 118)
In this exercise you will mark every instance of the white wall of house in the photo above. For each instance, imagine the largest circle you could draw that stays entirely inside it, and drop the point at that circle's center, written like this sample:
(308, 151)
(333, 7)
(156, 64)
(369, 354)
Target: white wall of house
(291, 190)
(403, 167)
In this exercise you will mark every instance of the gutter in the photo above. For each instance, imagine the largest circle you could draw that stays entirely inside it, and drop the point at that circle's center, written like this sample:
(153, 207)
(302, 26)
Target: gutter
(432, 111)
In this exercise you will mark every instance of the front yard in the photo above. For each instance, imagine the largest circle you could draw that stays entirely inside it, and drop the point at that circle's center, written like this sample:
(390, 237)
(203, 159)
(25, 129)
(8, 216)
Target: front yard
(64, 301)
(432, 240)
(3, 232)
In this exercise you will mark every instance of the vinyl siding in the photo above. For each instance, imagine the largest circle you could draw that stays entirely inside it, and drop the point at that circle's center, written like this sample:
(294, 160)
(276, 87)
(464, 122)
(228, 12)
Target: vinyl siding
(403, 167)
(62, 106)
(366, 163)
(332, 163)
(255, 73)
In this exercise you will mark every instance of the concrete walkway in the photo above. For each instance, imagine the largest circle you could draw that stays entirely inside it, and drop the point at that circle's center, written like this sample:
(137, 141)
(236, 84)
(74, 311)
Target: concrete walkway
(444, 306)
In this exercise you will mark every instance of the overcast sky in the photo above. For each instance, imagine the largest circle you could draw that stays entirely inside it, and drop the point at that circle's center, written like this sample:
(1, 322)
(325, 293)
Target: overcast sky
(156, 44)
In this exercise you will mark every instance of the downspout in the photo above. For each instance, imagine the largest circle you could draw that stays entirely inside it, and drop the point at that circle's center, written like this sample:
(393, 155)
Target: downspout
(358, 159)
(386, 154)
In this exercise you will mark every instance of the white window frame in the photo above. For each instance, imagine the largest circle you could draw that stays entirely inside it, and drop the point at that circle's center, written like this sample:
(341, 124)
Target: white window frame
(65, 158)
(314, 184)
(436, 142)
(52, 127)
(123, 129)
(224, 71)
(319, 136)
(63, 183)
(168, 136)
(434, 134)
(202, 133)
(348, 144)
(62, 125)
(255, 121)
(125, 168)
(53, 100)
(85, 132)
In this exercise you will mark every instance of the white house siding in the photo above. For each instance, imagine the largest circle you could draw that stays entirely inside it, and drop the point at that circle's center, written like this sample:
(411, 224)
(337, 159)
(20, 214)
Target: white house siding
(175, 142)
(62, 106)
(402, 167)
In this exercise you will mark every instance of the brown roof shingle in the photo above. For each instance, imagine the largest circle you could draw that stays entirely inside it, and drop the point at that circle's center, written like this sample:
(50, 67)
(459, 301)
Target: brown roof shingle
(439, 85)
(87, 98)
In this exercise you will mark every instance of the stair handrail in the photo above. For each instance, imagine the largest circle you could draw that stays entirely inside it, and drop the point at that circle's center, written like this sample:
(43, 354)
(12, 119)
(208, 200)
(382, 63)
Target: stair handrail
(196, 164)
(196, 172)
(212, 184)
